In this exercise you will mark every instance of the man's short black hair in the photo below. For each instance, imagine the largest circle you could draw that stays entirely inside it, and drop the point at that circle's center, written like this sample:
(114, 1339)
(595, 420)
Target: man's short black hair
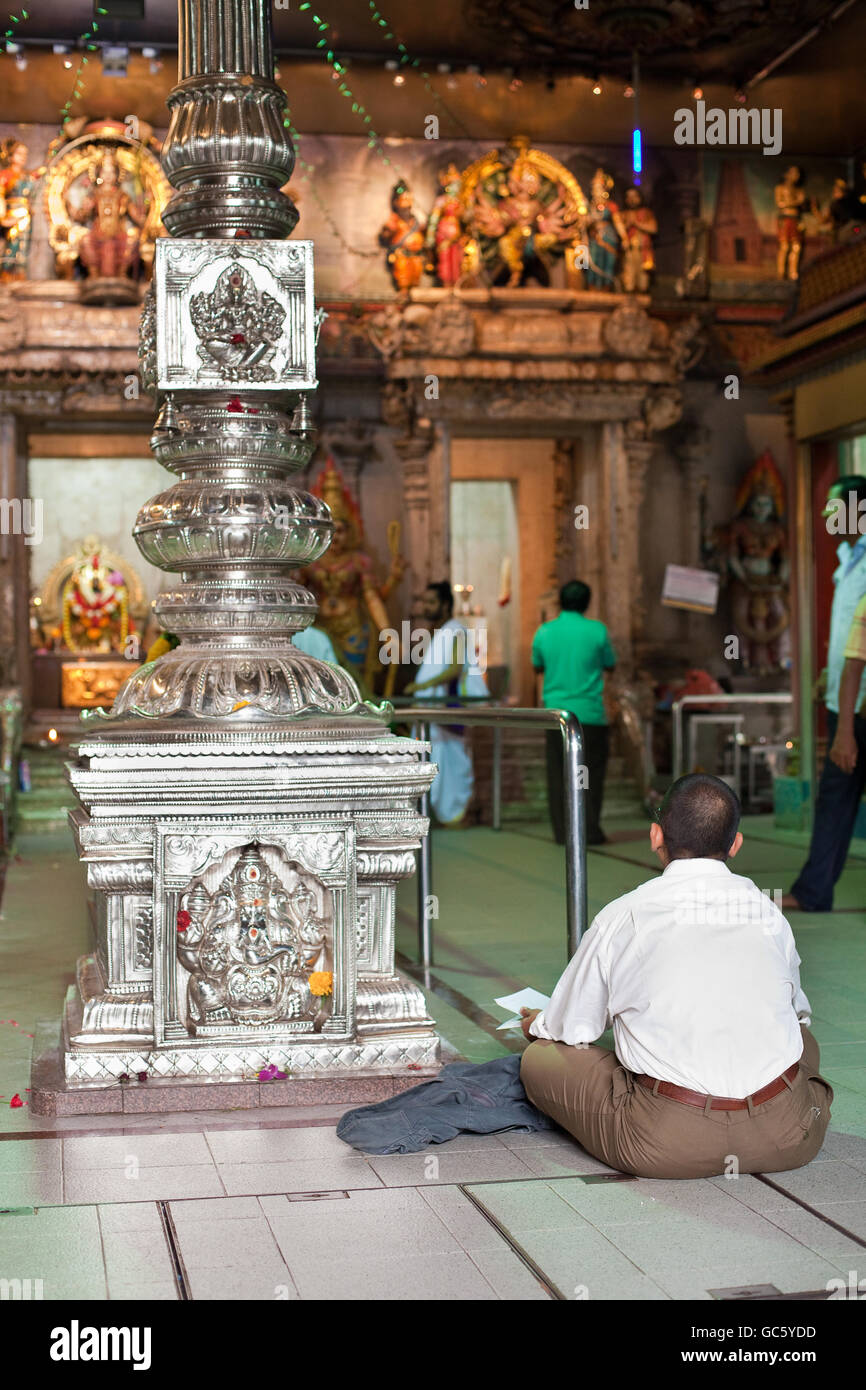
(849, 482)
(699, 817)
(442, 590)
(574, 596)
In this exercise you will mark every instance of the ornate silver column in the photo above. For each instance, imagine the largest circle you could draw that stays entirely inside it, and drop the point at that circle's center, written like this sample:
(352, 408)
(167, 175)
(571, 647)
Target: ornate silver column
(244, 816)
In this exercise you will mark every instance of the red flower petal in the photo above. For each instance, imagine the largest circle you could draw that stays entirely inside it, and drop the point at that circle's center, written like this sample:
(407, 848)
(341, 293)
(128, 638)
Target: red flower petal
(16, 1102)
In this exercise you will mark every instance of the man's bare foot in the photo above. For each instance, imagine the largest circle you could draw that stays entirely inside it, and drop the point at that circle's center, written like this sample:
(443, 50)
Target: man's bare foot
(790, 904)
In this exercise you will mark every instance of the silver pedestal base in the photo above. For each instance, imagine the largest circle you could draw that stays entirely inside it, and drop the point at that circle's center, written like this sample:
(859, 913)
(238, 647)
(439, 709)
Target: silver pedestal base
(235, 872)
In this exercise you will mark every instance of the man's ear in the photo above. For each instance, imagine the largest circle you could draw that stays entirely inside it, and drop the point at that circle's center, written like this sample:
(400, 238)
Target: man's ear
(657, 837)
(737, 845)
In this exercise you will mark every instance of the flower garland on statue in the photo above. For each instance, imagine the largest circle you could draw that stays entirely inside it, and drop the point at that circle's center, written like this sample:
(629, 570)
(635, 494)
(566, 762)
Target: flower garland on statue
(94, 613)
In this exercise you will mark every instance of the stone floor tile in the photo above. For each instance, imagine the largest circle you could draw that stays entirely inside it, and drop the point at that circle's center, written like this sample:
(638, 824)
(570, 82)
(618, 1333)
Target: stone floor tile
(30, 1155)
(387, 1223)
(143, 1291)
(275, 1145)
(147, 1150)
(246, 1243)
(128, 1216)
(466, 1223)
(192, 1211)
(309, 1175)
(817, 1235)
(822, 1184)
(509, 1277)
(242, 1286)
(137, 1255)
(415, 1170)
(557, 1162)
(37, 1189)
(152, 1184)
(428, 1278)
(583, 1264)
(528, 1205)
(851, 1148)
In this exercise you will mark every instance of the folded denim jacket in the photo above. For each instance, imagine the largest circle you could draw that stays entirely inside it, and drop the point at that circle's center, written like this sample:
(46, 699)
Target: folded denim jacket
(465, 1098)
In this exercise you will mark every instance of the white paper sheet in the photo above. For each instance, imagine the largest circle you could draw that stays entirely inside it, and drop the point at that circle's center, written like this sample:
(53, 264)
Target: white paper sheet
(524, 999)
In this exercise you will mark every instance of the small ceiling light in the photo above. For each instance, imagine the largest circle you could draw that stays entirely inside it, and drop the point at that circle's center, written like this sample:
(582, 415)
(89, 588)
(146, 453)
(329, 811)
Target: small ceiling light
(149, 52)
(452, 84)
(60, 48)
(628, 90)
(698, 92)
(115, 60)
(596, 87)
(53, 735)
(67, 62)
(399, 79)
(443, 67)
(515, 84)
(13, 47)
(391, 64)
(20, 62)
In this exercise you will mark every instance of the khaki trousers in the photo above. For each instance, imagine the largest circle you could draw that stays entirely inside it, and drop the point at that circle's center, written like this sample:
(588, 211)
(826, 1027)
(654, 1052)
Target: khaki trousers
(589, 1093)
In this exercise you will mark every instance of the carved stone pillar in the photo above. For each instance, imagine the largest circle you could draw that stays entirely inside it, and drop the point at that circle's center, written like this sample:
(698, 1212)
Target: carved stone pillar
(415, 454)
(638, 449)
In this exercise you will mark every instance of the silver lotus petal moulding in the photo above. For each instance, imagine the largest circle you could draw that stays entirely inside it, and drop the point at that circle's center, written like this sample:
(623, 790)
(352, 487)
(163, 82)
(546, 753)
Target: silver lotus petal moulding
(245, 817)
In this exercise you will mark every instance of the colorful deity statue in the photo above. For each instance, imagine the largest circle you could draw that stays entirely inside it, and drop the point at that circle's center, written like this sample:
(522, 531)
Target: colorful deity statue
(109, 250)
(607, 234)
(755, 549)
(790, 199)
(403, 236)
(523, 226)
(95, 605)
(446, 237)
(17, 187)
(638, 259)
(351, 604)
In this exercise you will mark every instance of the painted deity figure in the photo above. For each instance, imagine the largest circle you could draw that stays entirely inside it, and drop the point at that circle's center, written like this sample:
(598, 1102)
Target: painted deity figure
(521, 224)
(638, 260)
(758, 567)
(17, 187)
(351, 604)
(403, 237)
(95, 606)
(110, 248)
(446, 238)
(606, 234)
(790, 200)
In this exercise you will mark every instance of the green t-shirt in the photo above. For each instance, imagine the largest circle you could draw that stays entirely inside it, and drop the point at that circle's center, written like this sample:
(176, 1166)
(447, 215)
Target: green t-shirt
(574, 651)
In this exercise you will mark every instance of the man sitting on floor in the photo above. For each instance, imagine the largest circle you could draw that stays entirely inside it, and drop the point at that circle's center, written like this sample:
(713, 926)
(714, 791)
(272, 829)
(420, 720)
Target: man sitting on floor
(714, 1070)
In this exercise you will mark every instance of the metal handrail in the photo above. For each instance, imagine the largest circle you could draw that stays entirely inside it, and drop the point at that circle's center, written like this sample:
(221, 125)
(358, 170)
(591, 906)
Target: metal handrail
(575, 822)
(777, 698)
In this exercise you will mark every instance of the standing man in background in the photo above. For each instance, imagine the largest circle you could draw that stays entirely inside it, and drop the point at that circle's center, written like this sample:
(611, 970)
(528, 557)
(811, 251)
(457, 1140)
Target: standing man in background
(573, 652)
(842, 778)
(450, 669)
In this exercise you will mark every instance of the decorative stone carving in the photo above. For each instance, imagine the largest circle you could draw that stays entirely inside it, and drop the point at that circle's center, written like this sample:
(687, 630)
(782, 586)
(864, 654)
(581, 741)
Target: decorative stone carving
(628, 332)
(663, 409)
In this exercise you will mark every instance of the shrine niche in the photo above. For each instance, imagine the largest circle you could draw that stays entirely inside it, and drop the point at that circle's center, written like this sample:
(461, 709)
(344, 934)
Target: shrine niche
(85, 624)
(104, 196)
(751, 551)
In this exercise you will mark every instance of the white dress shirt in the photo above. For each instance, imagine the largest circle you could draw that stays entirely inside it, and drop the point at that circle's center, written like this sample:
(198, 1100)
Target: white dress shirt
(698, 973)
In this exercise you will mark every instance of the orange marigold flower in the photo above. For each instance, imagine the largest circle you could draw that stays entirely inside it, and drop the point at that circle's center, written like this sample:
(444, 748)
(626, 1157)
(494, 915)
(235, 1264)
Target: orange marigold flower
(321, 982)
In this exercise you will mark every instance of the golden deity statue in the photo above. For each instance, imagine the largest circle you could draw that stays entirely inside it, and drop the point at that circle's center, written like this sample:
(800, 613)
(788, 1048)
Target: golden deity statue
(351, 604)
(105, 192)
(522, 211)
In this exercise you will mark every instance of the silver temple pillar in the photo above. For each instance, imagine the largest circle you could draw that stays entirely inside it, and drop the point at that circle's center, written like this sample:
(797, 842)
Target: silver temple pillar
(244, 816)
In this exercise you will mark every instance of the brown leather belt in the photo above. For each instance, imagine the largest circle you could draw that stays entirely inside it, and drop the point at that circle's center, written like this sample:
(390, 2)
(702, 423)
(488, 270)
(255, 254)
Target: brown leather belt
(686, 1097)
